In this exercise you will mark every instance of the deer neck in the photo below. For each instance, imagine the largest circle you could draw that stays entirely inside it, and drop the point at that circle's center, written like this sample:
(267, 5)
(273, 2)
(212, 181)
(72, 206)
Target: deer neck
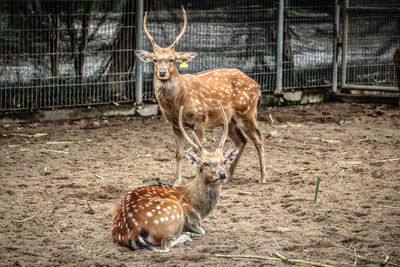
(170, 95)
(203, 197)
(169, 90)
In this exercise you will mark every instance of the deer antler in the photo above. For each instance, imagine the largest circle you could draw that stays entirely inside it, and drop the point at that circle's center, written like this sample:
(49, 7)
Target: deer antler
(153, 42)
(196, 139)
(183, 30)
(225, 135)
(197, 148)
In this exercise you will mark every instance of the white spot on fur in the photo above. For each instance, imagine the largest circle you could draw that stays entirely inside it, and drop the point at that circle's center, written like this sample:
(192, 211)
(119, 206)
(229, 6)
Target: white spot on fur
(149, 214)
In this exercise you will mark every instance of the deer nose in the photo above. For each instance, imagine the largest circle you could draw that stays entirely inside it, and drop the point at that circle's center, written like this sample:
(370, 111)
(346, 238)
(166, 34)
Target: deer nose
(162, 73)
(222, 174)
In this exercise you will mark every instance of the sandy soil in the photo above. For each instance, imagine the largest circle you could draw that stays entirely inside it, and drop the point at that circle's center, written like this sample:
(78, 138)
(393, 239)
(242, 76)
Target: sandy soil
(56, 207)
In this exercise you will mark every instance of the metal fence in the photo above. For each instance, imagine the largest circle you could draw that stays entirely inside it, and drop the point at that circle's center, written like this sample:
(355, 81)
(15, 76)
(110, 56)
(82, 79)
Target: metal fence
(371, 34)
(65, 53)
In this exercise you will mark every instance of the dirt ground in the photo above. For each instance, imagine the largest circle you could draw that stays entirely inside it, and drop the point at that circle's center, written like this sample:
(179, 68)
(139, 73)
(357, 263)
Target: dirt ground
(57, 198)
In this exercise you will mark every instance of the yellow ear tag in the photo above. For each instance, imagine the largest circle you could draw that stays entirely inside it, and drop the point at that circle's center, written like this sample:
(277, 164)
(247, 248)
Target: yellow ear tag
(183, 65)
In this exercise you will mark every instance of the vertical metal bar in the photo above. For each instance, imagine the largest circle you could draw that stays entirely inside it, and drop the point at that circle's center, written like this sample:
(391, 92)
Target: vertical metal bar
(335, 46)
(279, 48)
(344, 42)
(139, 45)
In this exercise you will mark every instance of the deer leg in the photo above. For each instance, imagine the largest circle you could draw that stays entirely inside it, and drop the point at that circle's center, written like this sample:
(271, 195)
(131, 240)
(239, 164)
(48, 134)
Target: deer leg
(179, 156)
(258, 139)
(168, 242)
(238, 137)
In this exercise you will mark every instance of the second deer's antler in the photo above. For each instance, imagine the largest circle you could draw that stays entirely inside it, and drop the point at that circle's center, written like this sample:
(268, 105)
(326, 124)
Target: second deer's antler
(196, 147)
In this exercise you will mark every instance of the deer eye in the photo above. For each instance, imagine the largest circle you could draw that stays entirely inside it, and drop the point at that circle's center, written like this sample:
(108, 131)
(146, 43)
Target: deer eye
(171, 60)
(206, 164)
(155, 60)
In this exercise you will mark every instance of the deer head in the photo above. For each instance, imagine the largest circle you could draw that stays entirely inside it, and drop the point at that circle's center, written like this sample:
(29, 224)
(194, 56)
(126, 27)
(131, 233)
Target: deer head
(211, 165)
(164, 59)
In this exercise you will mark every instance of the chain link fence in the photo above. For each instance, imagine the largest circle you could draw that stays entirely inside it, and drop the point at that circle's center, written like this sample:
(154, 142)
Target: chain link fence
(67, 53)
(372, 30)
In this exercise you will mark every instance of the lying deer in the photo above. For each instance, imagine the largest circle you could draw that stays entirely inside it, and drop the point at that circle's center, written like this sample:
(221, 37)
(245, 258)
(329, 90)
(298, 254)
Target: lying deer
(159, 215)
(199, 94)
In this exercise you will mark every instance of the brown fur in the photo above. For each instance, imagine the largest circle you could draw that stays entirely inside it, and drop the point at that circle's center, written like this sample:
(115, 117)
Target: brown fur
(199, 94)
(155, 216)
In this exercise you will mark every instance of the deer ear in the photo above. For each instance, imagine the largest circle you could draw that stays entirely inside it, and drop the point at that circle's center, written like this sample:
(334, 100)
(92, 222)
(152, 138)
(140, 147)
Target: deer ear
(192, 158)
(231, 154)
(144, 55)
(185, 56)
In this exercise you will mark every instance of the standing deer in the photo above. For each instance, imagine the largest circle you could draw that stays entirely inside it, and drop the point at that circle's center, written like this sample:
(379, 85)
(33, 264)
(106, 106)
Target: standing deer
(157, 216)
(199, 94)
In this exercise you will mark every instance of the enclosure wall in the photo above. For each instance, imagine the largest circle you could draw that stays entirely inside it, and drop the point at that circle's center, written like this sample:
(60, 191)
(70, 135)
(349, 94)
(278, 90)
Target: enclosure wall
(62, 53)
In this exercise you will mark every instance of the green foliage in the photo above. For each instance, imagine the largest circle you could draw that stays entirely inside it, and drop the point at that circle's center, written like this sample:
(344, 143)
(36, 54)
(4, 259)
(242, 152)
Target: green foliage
(316, 189)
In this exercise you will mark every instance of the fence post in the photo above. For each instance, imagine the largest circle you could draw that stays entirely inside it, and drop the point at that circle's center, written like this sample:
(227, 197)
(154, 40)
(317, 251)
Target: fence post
(279, 48)
(335, 47)
(139, 45)
(344, 43)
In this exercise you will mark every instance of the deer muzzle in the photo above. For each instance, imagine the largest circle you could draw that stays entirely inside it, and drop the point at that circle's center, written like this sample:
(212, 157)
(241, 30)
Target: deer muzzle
(222, 175)
(163, 74)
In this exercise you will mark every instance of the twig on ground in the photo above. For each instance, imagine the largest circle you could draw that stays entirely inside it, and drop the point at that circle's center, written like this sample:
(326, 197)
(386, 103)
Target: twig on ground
(341, 176)
(266, 131)
(386, 259)
(240, 242)
(349, 162)
(245, 193)
(330, 141)
(280, 258)
(316, 189)
(49, 151)
(276, 243)
(29, 135)
(355, 253)
(59, 143)
(385, 262)
(98, 176)
(284, 259)
(387, 160)
(246, 257)
(13, 146)
(362, 140)
(390, 207)
(270, 117)
(57, 227)
(294, 125)
(91, 211)
(278, 230)
(21, 221)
